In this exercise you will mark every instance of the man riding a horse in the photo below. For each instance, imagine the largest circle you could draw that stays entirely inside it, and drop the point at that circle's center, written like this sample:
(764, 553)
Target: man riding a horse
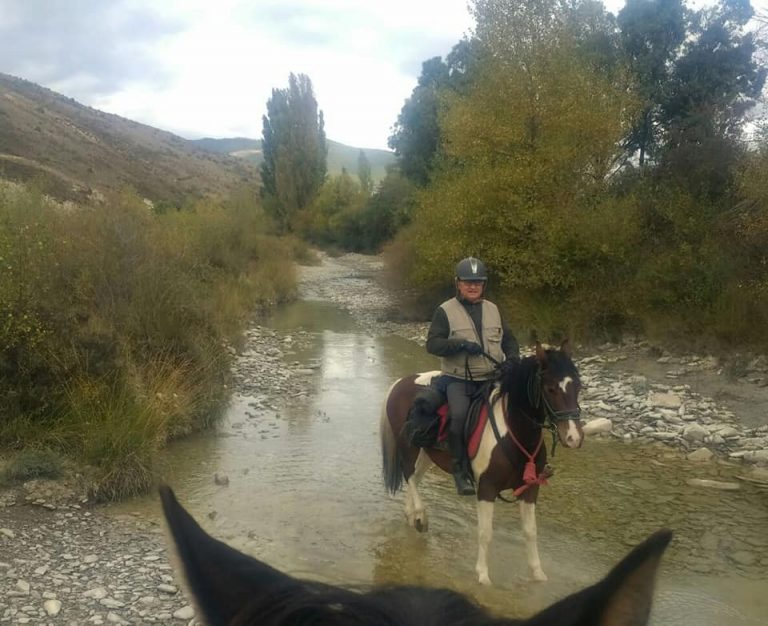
(466, 330)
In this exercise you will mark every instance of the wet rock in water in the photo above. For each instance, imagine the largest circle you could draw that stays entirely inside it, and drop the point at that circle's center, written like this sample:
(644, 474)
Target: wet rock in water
(701, 455)
(743, 557)
(713, 484)
(221, 479)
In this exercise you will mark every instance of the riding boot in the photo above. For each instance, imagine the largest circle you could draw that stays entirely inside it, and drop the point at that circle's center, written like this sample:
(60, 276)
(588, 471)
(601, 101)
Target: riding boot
(460, 474)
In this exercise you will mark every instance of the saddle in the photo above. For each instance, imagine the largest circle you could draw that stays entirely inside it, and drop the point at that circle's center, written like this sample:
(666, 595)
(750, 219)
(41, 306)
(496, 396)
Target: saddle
(427, 423)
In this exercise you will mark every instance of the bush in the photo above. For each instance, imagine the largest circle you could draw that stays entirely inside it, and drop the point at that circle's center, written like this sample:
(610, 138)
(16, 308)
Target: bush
(34, 463)
(114, 322)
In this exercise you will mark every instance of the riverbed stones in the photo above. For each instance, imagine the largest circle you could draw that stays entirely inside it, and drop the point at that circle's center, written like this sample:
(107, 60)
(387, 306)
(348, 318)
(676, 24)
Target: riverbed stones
(713, 484)
(701, 455)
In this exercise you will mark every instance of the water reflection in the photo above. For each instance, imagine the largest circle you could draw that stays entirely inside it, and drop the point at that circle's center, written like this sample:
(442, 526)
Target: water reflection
(305, 494)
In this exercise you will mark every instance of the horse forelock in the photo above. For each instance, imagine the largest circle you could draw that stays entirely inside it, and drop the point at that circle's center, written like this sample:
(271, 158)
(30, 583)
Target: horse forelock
(561, 366)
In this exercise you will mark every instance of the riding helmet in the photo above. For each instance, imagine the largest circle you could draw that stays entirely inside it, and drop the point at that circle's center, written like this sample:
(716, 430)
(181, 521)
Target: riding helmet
(471, 269)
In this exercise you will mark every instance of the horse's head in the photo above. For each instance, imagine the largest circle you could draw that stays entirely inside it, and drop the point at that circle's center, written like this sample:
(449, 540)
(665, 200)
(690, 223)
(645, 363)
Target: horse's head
(556, 393)
(230, 588)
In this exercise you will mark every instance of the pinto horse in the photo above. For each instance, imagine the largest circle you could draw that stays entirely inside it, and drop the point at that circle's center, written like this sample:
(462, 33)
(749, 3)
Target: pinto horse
(541, 391)
(230, 588)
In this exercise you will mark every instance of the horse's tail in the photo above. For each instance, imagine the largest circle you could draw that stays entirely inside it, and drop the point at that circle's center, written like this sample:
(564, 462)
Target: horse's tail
(392, 458)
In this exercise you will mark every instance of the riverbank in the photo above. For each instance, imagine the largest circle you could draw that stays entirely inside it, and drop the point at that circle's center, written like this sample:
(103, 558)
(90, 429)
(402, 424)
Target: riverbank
(105, 568)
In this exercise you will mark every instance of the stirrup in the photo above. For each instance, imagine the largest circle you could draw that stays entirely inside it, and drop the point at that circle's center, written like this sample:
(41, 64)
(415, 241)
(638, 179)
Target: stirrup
(463, 485)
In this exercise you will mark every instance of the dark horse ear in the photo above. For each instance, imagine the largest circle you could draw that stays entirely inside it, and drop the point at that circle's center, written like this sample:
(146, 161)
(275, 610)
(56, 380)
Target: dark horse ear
(541, 354)
(565, 348)
(622, 598)
(224, 582)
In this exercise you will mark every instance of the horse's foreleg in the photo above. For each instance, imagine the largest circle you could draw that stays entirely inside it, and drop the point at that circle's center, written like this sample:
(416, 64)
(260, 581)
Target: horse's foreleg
(528, 522)
(414, 507)
(484, 536)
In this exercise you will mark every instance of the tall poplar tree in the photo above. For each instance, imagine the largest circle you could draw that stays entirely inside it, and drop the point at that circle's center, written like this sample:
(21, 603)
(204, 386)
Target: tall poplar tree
(295, 150)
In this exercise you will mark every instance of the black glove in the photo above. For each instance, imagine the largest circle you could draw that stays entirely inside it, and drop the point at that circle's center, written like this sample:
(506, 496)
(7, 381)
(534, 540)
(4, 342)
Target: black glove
(470, 347)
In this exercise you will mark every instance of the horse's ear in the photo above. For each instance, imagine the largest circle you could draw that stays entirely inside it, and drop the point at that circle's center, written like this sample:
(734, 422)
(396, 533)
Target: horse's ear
(225, 583)
(541, 354)
(622, 598)
(566, 349)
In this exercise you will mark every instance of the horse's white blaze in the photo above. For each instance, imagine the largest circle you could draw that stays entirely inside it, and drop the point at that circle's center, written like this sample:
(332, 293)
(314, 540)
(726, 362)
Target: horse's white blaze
(425, 378)
(563, 384)
(528, 522)
(484, 536)
(573, 437)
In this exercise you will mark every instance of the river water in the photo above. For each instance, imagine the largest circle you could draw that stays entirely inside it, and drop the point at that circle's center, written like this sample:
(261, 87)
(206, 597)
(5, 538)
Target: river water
(305, 494)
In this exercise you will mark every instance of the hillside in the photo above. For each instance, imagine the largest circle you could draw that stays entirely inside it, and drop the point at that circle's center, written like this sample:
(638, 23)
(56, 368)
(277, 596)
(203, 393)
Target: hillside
(339, 155)
(76, 152)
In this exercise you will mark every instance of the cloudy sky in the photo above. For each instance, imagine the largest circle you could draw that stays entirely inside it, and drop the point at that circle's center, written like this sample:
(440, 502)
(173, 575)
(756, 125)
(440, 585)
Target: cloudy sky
(206, 67)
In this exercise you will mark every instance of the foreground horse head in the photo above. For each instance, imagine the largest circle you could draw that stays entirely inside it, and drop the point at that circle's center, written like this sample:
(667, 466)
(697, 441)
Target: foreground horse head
(231, 589)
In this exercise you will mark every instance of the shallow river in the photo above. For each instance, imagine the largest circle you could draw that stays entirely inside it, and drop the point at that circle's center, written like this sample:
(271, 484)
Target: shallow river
(305, 494)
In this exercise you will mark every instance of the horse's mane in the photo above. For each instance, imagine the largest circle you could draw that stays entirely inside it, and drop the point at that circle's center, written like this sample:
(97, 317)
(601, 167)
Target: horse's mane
(515, 377)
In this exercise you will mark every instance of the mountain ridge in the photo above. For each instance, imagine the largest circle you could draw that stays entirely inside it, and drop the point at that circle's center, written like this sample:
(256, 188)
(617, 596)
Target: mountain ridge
(75, 152)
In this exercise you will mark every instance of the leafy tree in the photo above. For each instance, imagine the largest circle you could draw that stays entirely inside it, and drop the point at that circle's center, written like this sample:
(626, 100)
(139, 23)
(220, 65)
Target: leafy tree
(416, 135)
(364, 173)
(332, 217)
(713, 84)
(527, 150)
(387, 210)
(295, 151)
(652, 32)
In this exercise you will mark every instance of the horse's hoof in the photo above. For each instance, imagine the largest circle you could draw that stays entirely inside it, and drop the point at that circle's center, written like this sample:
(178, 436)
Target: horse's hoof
(421, 525)
(484, 579)
(539, 576)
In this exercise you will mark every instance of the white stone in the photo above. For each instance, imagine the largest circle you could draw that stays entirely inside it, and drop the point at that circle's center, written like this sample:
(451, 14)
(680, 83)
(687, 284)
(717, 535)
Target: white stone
(702, 454)
(52, 607)
(599, 425)
(667, 400)
(90, 558)
(97, 593)
(22, 586)
(694, 432)
(7, 532)
(757, 456)
(185, 613)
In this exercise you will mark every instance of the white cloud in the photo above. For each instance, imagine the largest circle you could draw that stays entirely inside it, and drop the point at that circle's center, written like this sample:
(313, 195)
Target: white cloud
(202, 68)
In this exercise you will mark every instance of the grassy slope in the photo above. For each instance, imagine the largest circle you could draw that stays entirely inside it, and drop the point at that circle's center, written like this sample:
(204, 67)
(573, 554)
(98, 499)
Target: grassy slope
(75, 151)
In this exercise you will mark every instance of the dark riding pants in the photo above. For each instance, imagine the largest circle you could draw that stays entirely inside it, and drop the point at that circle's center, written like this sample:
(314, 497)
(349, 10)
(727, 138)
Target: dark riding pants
(459, 393)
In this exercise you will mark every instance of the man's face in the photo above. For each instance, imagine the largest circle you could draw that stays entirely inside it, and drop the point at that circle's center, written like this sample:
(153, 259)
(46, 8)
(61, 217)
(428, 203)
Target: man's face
(471, 290)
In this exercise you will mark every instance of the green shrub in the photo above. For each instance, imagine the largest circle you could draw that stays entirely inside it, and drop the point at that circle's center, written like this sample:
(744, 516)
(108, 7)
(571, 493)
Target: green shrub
(34, 463)
(114, 322)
